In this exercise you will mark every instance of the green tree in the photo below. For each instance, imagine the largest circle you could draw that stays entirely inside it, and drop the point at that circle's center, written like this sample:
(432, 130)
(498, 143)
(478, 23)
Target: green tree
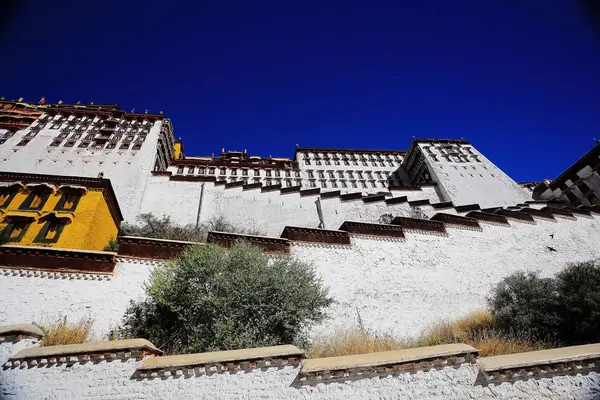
(578, 303)
(524, 304)
(211, 298)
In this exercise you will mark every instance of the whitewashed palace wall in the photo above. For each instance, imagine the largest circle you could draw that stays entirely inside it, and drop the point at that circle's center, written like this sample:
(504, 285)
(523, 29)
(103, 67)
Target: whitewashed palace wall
(113, 380)
(265, 212)
(398, 286)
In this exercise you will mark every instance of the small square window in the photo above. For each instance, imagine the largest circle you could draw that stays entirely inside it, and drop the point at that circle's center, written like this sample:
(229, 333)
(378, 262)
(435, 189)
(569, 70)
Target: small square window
(312, 184)
(364, 184)
(50, 231)
(321, 175)
(306, 161)
(85, 143)
(136, 146)
(277, 173)
(35, 201)
(222, 171)
(297, 174)
(288, 173)
(70, 143)
(55, 143)
(354, 162)
(245, 172)
(343, 183)
(211, 171)
(23, 142)
(327, 162)
(233, 171)
(180, 170)
(6, 197)
(268, 182)
(191, 170)
(318, 162)
(288, 182)
(16, 229)
(353, 183)
(334, 185)
(330, 173)
(324, 184)
(68, 202)
(346, 162)
(256, 172)
(124, 146)
(201, 170)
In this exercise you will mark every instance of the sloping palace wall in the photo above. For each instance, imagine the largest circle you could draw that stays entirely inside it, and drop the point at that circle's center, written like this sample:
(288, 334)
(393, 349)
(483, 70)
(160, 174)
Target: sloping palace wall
(396, 284)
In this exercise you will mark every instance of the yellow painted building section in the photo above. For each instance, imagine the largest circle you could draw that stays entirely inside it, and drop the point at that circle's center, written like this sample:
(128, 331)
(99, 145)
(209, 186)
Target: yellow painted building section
(89, 226)
(178, 150)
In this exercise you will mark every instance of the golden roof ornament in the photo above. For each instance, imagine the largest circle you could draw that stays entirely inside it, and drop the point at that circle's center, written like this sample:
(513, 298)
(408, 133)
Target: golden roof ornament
(60, 102)
(20, 99)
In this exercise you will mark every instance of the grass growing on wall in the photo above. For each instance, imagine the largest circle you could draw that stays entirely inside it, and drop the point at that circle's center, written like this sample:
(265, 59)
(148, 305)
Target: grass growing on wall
(475, 329)
(64, 332)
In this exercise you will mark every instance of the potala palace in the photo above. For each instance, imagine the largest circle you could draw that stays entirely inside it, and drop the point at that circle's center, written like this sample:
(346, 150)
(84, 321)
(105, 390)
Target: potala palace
(402, 237)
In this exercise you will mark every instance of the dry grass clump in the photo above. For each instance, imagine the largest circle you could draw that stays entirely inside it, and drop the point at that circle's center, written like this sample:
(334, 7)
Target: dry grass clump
(64, 332)
(476, 329)
(355, 341)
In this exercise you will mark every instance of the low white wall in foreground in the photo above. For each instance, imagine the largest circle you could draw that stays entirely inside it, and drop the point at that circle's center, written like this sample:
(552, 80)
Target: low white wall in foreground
(115, 380)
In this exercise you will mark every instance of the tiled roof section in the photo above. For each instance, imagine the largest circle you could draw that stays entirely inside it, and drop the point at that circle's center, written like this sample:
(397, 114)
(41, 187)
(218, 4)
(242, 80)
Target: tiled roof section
(21, 330)
(538, 213)
(515, 215)
(221, 361)
(57, 180)
(269, 244)
(290, 189)
(416, 203)
(467, 207)
(487, 217)
(577, 210)
(374, 198)
(74, 353)
(456, 220)
(447, 204)
(372, 229)
(235, 184)
(558, 211)
(310, 192)
(351, 196)
(396, 361)
(54, 259)
(397, 200)
(541, 363)
(270, 188)
(256, 185)
(315, 235)
(420, 224)
(335, 193)
(157, 249)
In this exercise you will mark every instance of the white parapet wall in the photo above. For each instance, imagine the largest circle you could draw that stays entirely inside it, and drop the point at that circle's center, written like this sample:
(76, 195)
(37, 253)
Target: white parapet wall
(395, 285)
(132, 369)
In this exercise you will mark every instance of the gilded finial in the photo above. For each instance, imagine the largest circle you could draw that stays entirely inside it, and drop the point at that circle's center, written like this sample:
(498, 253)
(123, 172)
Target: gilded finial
(20, 99)
(60, 102)
(161, 113)
(91, 103)
(146, 112)
(133, 110)
(78, 102)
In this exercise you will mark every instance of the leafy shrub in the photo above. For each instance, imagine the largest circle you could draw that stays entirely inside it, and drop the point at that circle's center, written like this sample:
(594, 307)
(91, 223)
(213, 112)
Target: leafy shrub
(523, 303)
(210, 298)
(565, 308)
(385, 218)
(63, 332)
(113, 245)
(152, 226)
(578, 303)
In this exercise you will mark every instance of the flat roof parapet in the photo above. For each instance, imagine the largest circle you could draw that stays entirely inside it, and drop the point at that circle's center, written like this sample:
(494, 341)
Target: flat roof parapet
(387, 362)
(221, 361)
(315, 235)
(541, 363)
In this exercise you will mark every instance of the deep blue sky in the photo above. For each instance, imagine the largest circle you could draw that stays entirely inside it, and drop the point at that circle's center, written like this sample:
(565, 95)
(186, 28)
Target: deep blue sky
(519, 79)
